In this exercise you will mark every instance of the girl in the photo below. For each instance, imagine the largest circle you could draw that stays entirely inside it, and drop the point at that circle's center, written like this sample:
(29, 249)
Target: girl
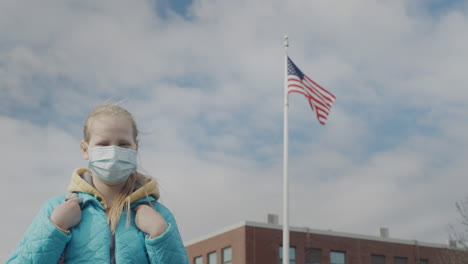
(112, 214)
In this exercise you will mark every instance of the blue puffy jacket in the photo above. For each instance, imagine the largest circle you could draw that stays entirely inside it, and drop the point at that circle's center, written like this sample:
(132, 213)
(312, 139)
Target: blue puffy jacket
(91, 241)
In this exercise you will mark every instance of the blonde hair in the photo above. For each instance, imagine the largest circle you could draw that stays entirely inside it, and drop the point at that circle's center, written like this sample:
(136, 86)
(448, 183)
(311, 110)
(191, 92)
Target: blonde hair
(108, 110)
(136, 178)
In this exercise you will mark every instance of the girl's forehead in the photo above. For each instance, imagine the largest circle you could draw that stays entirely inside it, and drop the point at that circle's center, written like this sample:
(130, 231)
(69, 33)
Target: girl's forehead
(106, 119)
(101, 124)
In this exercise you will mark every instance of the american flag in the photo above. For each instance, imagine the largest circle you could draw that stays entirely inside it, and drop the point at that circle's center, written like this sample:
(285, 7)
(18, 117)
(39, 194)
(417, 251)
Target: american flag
(320, 100)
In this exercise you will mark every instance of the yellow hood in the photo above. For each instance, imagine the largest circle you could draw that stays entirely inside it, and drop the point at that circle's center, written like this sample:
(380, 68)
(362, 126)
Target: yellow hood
(78, 184)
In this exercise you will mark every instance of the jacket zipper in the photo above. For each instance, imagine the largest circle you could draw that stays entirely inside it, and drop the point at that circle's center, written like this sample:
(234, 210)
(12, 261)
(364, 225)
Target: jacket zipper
(112, 246)
(112, 239)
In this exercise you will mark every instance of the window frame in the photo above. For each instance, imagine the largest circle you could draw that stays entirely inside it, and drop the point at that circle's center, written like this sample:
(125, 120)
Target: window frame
(338, 251)
(378, 256)
(211, 254)
(291, 260)
(223, 260)
(309, 253)
(395, 258)
(196, 258)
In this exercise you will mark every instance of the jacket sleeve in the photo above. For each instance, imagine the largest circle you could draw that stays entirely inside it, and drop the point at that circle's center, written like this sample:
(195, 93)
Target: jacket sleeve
(168, 247)
(42, 242)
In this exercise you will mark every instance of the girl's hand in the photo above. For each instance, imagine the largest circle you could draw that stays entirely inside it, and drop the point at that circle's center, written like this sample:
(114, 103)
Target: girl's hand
(150, 221)
(67, 215)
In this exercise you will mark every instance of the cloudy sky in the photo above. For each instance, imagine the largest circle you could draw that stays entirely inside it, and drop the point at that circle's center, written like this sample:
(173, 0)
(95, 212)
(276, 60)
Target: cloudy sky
(204, 79)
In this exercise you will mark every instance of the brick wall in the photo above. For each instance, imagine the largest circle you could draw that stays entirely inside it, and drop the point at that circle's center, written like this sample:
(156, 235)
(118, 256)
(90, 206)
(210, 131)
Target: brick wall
(253, 244)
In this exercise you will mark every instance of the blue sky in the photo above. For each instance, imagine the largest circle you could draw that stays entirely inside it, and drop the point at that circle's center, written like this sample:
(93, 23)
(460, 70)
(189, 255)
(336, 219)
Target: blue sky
(180, 7)
(204, 80)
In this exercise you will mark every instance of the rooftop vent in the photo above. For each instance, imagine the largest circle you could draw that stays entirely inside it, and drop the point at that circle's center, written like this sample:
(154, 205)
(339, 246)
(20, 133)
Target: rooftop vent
(384, 233)
(452, 243)
(272, 219)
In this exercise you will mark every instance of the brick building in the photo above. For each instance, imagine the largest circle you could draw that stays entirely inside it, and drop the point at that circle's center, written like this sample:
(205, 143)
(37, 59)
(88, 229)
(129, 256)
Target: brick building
(260, 243)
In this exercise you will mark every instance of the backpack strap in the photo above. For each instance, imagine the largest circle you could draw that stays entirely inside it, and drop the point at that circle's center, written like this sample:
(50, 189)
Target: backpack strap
(68, 196)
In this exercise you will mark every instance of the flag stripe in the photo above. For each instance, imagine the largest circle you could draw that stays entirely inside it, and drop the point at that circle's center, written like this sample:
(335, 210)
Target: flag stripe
(318, 92)
(321, 88)
(315, 102)
(314, 92)
(323, 107)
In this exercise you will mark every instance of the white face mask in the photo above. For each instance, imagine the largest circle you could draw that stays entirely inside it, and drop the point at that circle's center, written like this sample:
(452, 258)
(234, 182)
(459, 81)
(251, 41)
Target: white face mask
(112, 164)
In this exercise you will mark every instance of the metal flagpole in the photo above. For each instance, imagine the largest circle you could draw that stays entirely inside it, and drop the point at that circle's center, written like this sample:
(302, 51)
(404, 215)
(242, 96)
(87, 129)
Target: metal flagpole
(285, 159)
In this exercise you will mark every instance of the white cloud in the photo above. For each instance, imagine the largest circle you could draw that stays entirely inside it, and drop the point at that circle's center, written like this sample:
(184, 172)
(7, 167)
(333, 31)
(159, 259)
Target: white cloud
(37, 163)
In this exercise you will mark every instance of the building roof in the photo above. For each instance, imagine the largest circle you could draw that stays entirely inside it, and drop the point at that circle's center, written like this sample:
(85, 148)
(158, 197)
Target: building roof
(314, 231)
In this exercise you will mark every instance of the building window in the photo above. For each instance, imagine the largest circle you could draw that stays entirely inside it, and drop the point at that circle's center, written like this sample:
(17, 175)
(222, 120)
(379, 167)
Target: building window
(313, 256)
(198, 260)
(227, 255)
(400, 260)
(377, 259)
(292, 255)
(423, 261)
(212, 258)
(337, 257)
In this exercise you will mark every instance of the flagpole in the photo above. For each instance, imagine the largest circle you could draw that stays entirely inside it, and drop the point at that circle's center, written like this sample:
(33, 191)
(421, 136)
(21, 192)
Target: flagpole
(285, 159)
